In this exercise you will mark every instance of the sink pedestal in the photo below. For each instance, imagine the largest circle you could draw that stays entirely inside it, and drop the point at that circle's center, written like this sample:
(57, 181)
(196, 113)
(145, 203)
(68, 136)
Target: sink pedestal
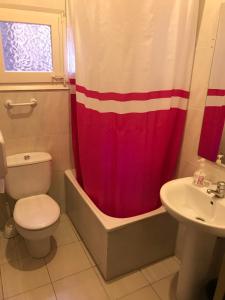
(195, 264)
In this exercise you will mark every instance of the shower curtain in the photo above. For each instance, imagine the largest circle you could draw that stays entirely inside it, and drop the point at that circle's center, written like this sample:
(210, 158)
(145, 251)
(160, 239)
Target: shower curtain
(129, 98)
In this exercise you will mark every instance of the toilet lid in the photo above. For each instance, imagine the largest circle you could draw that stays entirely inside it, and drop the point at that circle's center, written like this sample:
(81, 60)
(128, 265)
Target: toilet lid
(36, 212)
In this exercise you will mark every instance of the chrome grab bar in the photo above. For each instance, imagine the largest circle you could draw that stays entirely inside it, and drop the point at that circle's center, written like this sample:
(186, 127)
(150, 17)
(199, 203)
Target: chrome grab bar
(9, 104)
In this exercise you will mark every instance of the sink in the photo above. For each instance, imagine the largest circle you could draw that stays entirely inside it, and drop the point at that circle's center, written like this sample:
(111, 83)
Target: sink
(194, 206)
(204, 218)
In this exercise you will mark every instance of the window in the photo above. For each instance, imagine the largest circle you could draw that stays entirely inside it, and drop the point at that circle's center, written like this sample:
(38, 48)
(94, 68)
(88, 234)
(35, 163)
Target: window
(31, 47)
(26, 47)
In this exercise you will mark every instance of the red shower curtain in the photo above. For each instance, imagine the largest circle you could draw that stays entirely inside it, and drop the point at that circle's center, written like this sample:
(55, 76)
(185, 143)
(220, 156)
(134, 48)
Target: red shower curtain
(134, 64)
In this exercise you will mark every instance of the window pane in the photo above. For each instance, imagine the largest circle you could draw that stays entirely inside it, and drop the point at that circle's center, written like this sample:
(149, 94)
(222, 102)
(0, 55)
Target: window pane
(26, 47)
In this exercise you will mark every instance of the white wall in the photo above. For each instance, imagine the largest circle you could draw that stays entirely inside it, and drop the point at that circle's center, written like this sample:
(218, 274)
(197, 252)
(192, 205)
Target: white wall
(39, 4)
(46, 128)
(199, 86)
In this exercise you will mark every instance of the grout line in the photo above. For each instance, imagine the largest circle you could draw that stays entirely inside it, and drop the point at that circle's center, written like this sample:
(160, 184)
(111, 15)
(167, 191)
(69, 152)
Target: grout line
(69, 222)
(62, 245)
(59, 246)
(157, 293)
(101, 283)
(164, 276)
(1, 284)
(139, 289)
(147, 284)
(16, 251)
(157, 280)
(160, 280)
(72, 226)
(50, 280)
(84, 248)
(133, 292)
(69, 275)
(88, 255)
(27, 291)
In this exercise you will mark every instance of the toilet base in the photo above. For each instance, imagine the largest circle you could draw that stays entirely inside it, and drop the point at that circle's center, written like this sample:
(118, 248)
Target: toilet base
(39, 248)
(38, 241)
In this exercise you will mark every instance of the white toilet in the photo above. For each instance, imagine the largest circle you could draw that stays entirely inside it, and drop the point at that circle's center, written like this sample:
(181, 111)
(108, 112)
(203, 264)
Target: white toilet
(36, 214)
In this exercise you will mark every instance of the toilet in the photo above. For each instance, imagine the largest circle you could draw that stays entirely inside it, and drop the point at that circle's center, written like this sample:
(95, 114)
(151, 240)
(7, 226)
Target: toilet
(36, 214)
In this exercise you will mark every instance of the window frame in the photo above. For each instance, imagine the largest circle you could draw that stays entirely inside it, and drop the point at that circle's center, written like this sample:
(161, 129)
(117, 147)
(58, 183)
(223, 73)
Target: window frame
(52, 19)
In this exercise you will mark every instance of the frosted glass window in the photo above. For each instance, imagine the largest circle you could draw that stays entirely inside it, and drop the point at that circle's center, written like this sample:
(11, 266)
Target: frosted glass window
(26, 47)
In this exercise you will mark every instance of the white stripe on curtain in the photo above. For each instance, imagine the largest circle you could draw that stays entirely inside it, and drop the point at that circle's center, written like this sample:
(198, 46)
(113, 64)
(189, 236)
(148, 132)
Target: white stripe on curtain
(131, 106)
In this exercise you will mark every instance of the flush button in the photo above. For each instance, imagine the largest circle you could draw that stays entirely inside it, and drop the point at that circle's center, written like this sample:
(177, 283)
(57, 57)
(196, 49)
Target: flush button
(27, 157)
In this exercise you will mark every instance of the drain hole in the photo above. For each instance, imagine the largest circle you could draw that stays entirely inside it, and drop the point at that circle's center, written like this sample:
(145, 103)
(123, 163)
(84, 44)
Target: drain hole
(200, 219)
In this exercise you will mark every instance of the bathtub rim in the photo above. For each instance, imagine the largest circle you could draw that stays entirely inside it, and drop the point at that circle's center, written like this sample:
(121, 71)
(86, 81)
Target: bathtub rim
(108, 222)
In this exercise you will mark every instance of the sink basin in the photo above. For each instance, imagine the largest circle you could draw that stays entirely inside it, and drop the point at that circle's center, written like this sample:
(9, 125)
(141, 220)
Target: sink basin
(204, 218)
(194, 206)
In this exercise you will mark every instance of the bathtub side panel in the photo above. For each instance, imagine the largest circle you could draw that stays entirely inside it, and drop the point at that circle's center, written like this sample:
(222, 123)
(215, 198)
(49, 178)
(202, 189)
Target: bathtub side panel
(88, 226)
(140, 244)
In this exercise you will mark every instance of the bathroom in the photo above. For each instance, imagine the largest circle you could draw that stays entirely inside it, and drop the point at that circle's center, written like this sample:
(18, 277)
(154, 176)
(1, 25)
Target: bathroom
(98, 251)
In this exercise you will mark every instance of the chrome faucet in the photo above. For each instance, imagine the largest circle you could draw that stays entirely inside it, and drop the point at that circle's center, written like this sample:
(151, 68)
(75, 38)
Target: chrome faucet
(220, 190)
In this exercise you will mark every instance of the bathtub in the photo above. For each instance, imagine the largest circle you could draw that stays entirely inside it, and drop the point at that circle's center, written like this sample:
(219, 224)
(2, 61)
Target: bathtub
(119, 245)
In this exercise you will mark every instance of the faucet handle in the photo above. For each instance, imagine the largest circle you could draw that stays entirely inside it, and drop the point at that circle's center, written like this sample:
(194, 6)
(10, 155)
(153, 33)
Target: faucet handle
(221, 185)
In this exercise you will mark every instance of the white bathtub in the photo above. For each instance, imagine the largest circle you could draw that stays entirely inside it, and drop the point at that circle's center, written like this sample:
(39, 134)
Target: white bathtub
(119, 245)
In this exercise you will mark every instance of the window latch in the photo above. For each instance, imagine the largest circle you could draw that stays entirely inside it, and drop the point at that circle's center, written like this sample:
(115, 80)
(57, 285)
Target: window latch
(59, 78)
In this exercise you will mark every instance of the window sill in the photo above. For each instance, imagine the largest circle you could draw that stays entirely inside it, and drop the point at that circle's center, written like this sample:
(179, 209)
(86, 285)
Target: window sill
(32, 87)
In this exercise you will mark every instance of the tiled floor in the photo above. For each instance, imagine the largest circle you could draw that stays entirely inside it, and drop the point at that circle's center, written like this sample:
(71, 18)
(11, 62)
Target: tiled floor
(69, 273)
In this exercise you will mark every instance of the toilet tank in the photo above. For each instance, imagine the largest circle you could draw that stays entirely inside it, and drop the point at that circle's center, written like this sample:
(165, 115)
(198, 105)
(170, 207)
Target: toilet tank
(28, 174)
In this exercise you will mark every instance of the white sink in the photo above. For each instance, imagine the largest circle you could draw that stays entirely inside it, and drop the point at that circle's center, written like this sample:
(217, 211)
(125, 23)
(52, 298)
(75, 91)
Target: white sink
(204, 217)
(194, 206)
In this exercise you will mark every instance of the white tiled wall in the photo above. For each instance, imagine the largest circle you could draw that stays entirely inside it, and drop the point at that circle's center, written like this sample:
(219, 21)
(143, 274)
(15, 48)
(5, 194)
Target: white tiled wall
(41, 4)
(45, 128)
(200, 78)
(199, 85)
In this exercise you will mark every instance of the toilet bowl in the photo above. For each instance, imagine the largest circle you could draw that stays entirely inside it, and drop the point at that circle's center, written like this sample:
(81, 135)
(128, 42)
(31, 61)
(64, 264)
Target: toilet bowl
(36, 219)
(36, 214)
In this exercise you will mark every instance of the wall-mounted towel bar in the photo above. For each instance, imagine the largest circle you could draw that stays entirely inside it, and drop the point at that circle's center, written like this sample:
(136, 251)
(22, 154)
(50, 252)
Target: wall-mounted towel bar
(9, 104)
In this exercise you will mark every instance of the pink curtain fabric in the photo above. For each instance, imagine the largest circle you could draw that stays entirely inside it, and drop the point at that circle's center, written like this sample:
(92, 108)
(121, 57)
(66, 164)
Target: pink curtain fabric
(133, 68)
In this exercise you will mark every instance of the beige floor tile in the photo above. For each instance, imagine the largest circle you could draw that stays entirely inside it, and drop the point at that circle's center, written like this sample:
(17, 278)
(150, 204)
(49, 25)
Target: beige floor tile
(64, 234)
(82, 286)
(1, 291)
(64, 218)
(123, 285)
(12, 249)
(92, 262)
(67, 260)
(23, 275)
(7, 249)
(43, 293)
(166, 288)
(161, 269)
(147, 293)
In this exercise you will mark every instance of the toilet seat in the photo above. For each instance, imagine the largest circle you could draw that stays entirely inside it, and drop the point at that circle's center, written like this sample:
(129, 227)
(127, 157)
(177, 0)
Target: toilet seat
(36, 212)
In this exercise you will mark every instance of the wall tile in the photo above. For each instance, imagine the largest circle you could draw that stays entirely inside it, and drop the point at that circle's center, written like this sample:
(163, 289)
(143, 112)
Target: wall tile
(203, 59)
(44, 128)
(200, 77)
(191, 137)
(59, 146)
(199, 86)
